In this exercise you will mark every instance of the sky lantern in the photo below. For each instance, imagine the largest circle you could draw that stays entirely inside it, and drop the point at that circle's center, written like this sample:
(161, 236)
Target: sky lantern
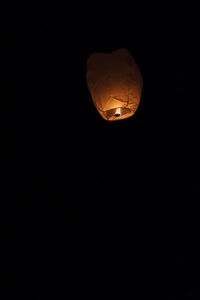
(115, 84)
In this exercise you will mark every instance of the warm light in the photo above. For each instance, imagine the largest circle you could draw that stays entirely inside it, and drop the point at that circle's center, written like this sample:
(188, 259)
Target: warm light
(115, 83)
(117, 112)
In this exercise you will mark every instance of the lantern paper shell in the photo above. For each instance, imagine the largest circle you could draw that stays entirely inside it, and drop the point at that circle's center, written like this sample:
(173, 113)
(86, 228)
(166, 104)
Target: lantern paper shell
(115, 83)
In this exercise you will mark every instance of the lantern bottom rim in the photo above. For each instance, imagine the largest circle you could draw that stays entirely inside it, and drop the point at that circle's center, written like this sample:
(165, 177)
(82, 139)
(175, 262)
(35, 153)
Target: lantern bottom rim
(114, 115)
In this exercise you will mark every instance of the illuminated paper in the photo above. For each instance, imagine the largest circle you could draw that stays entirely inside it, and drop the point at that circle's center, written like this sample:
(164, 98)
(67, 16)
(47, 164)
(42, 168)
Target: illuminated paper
(115, 84)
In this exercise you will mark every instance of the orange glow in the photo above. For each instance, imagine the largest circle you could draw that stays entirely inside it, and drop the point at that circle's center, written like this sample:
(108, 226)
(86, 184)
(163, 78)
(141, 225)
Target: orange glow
(115, 83)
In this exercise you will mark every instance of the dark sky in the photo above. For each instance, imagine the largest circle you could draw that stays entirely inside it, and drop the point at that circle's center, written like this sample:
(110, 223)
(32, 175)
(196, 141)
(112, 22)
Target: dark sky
(100, 209)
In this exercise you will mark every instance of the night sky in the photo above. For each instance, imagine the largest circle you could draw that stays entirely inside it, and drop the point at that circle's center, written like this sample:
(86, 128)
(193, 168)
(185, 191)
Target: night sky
(97, 209)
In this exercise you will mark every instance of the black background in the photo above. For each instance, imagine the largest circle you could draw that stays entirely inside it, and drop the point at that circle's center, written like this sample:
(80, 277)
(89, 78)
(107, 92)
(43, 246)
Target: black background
(97, 209)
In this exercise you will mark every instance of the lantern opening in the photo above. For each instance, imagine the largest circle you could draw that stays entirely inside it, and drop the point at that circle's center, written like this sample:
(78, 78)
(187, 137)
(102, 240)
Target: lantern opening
(117, 113)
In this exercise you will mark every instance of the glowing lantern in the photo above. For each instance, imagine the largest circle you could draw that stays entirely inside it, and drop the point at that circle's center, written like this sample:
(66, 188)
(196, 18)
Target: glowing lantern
(115, 83)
